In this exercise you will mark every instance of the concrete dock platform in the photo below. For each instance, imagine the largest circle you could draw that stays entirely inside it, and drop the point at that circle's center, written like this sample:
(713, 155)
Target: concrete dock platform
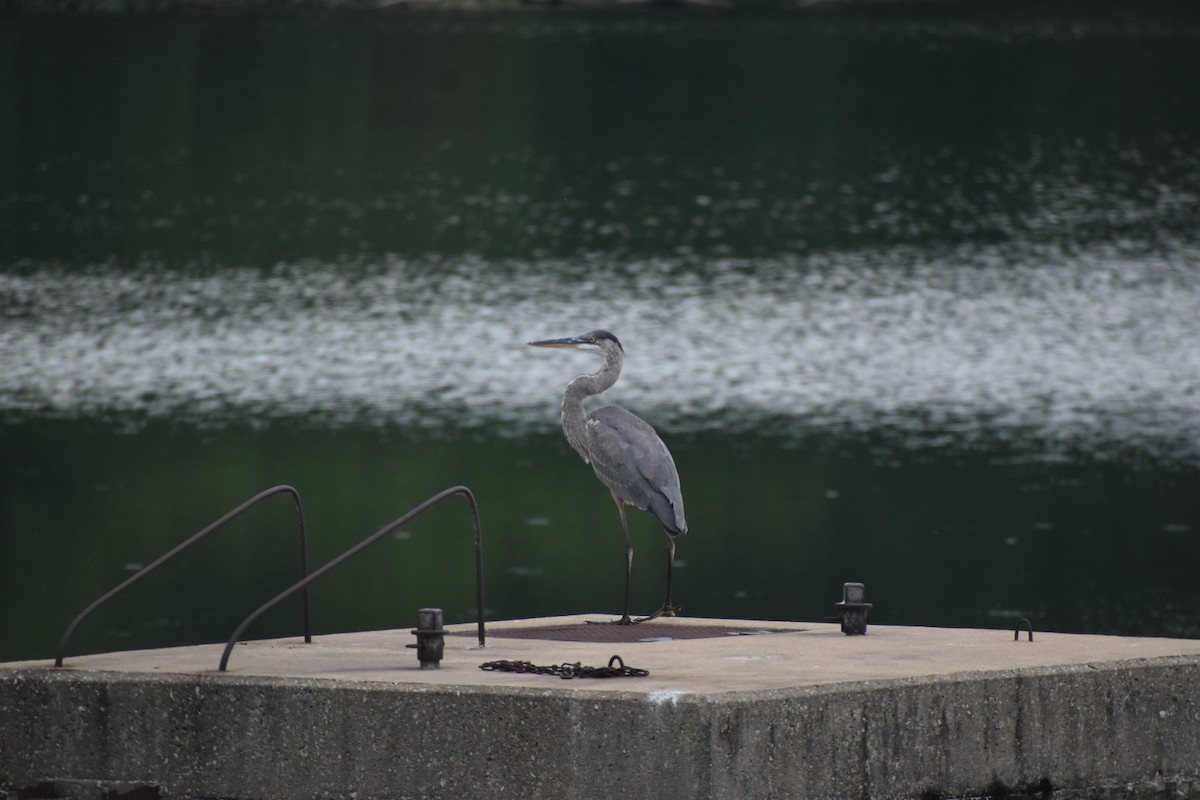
(755, 710)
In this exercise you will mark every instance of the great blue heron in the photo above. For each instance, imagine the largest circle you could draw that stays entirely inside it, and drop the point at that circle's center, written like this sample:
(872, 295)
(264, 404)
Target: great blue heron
(625, 452)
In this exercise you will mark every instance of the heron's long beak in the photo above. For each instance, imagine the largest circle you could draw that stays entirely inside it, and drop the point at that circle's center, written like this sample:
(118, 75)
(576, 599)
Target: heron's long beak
(570, 343)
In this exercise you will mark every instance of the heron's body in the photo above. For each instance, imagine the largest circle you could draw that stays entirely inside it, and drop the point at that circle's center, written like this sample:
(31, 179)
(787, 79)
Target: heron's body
(630, 459)
(625, 452)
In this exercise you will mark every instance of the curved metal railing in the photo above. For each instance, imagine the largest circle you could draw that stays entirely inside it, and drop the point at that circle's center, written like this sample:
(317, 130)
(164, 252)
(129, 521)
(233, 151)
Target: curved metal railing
(363, 545)
(246, 506)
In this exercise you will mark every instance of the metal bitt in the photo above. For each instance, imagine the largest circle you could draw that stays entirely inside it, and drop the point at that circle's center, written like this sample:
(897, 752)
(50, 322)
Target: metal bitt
(854, 609)
(431, 638)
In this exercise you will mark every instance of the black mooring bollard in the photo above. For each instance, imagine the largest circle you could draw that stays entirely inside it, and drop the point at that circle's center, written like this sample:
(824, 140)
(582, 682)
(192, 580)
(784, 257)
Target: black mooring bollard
(431, 642)
(854, 609)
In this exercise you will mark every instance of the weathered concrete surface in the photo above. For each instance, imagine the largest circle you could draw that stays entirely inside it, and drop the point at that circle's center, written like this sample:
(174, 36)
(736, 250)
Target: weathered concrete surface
(807, 714)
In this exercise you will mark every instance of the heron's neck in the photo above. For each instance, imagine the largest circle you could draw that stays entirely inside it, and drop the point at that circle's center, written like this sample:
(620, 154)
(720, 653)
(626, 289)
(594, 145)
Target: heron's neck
(574, 416)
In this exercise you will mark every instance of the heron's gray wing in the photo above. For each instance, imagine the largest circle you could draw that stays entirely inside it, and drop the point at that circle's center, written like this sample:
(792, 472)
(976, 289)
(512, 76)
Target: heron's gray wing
(633, 462)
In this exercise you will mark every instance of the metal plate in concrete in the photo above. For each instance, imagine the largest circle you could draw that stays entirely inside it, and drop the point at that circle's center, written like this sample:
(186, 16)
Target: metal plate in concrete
(593, 631)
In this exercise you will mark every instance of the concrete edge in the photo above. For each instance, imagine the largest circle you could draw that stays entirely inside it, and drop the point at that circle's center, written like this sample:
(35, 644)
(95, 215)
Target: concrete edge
(556, 686)
(1126, 728)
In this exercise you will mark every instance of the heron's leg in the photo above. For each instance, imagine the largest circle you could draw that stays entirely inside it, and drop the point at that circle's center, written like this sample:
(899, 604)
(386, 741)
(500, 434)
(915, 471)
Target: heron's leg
(667, 610)
(625, 618)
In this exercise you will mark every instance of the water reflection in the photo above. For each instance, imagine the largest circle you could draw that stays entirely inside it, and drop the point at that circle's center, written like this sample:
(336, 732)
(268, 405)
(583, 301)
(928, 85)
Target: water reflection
(1088, 351)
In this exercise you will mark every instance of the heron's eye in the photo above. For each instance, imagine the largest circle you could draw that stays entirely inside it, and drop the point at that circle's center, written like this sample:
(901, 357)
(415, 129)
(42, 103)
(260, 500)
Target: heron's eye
(592, 339)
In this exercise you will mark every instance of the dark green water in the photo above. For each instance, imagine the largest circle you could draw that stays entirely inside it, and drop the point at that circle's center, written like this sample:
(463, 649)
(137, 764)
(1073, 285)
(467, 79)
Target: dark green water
(911, 292)
(971, 539)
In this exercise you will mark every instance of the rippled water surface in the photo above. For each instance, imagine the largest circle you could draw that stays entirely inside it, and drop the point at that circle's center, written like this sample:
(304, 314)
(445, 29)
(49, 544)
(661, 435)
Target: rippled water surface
(1091, 351)
(911, 291)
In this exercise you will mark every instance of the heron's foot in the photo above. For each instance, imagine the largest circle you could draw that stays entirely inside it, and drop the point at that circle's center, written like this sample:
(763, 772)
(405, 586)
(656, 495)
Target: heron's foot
(624, 620)
(665, 611)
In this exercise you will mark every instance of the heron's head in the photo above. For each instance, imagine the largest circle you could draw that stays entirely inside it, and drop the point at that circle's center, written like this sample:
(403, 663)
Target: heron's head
(598, 342)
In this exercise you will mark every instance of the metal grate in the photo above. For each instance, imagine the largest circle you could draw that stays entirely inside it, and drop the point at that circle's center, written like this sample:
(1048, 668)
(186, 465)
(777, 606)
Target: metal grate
(644, 632)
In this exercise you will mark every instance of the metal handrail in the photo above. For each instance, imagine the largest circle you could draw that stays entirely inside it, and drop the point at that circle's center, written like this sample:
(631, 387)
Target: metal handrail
(364, 544)
(253, 501)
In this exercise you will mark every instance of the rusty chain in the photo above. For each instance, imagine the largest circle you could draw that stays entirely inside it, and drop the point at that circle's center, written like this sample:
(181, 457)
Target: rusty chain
(567, 671)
